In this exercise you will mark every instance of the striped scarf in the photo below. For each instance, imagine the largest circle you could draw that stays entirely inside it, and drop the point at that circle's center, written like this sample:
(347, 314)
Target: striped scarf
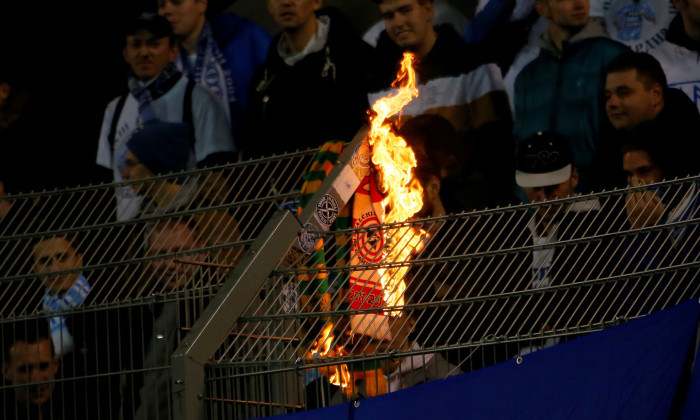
(63, 301)
(314, 288)
(159, 86)
(210, 68)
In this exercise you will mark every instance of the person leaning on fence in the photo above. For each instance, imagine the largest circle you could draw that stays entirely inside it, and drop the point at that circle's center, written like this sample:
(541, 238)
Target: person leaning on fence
(158, 92)
(546, 172)
(648, 161)
(457, 81)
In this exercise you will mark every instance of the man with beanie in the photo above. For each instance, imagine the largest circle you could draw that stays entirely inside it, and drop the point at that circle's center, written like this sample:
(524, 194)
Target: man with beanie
(163, 148)
(159, 93)
(160, 148)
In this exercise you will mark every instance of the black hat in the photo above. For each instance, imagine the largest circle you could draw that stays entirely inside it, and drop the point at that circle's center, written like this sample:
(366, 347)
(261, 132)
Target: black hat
(543, 159)
(151, 22)
(163, 147)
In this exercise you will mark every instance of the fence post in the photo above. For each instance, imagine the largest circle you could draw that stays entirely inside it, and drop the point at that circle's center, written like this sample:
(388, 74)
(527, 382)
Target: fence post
(279, 243)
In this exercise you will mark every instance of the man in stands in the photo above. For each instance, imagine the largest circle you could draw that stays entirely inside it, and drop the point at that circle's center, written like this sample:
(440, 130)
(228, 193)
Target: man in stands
(639, 101)
(29, 364)
(158, 92)
(312, 88)
(455, 81)
(220, 53)
(561, 89)
(169, 319)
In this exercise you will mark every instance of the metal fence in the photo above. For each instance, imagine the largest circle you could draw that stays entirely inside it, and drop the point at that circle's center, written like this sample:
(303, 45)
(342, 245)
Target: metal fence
(220, 300)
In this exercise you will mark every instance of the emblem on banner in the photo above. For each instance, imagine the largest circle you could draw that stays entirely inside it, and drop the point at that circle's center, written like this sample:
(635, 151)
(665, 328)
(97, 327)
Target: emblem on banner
(641, 24)
(327, 210)
(369, 243)
(290, 298)
(308, 238)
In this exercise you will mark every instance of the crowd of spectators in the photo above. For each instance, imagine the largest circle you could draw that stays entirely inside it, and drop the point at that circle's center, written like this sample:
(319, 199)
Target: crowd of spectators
(499, 120)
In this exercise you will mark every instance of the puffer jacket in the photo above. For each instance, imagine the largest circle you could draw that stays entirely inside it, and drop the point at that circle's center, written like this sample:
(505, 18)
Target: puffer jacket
(563, 91)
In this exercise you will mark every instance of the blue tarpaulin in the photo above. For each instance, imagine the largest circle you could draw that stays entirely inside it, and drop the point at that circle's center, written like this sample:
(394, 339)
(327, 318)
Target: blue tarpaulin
(632, 371)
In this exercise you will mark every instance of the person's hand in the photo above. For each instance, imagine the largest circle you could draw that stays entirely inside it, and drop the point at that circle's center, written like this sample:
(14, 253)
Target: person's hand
(644, 208)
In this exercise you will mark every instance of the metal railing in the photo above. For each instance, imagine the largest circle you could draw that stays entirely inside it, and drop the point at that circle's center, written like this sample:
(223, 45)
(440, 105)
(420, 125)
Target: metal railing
(261, 318)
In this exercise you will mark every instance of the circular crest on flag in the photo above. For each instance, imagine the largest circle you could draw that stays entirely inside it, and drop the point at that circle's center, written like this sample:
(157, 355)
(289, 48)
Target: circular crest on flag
(308, 238)
(361, 158)
(327, 210)
(290, 298)
(370, 242)
(640, 24)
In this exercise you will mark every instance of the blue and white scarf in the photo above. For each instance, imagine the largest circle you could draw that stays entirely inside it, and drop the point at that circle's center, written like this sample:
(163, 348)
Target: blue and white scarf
(210, 68)
(63, 301)
(159, 86)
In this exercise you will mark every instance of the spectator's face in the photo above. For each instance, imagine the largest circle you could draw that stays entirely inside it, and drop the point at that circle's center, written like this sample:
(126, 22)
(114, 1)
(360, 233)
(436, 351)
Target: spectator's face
(56, 254)
(552, 192)
(185, 16)
(640, 168)
(408, 23)
(293, 14)
(173, 238)
(133, 170)
(29, 363)
(627, 102)
(571, 15)
(148, 56)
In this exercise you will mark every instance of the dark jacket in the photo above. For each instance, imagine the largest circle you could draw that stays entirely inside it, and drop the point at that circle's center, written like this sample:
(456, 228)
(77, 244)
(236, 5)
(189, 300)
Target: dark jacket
(666, 137)
(563, 91)
(459, 86)
(322, 97)
(244, 45)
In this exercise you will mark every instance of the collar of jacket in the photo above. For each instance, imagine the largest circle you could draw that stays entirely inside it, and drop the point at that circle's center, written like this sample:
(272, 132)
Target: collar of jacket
(592, 30)
(676, 35)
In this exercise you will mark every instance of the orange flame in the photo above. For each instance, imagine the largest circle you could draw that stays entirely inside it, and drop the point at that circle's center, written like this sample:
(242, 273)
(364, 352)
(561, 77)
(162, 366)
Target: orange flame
(337, 375)
(404, 195)
(404, 198)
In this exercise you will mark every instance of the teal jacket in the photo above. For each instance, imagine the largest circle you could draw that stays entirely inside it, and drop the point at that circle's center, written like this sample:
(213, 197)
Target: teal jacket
(563, 91)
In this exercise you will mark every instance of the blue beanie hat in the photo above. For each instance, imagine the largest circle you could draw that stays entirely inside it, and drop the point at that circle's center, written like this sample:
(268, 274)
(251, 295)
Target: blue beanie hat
(163, 147)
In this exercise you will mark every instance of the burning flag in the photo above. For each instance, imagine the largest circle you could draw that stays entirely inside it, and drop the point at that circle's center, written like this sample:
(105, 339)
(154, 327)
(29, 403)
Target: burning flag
(387, 194)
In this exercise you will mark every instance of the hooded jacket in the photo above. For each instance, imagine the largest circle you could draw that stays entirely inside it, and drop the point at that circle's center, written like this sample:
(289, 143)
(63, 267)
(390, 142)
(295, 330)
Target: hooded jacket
(563, 91)
(321, 97)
